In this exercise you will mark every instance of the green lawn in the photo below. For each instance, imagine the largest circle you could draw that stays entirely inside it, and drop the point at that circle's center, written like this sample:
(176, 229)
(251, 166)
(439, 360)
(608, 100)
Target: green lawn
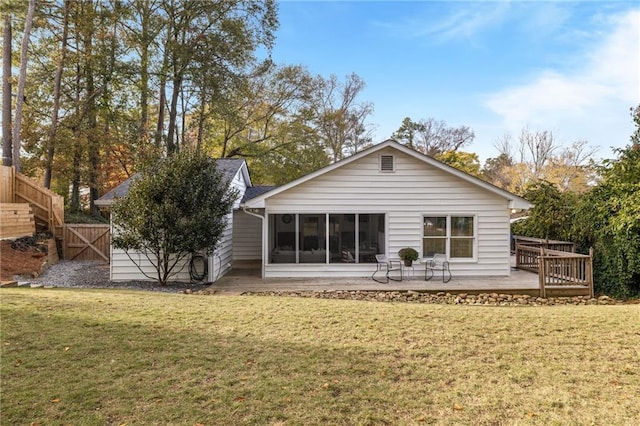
(85, 357)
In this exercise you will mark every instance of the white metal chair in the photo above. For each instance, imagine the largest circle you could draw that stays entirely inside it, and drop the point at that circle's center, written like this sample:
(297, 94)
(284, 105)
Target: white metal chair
(437, 263)
(387, 266)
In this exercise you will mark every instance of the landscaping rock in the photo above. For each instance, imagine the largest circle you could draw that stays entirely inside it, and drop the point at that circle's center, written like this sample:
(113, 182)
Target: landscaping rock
(412, 296)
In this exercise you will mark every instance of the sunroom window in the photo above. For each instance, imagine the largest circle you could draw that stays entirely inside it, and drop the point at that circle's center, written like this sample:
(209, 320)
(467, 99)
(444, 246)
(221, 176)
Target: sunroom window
(321, 238)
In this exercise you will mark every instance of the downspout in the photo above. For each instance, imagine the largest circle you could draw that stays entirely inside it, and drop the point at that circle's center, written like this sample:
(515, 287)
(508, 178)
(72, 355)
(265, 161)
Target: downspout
(264, 247)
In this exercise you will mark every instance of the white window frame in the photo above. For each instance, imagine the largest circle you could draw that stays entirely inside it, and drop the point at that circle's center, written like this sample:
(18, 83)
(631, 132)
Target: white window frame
(448, 236)
(296, 217)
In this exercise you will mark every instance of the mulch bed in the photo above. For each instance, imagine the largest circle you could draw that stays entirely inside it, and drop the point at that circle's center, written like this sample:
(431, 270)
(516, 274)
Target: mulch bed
(23, 256)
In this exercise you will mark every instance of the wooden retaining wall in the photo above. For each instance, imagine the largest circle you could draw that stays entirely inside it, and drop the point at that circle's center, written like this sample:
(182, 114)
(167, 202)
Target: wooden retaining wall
(86, 242)
(16, 220)
(47, 206)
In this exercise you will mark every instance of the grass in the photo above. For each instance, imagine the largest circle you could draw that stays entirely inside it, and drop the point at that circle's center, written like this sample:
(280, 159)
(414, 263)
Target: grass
(96, 357)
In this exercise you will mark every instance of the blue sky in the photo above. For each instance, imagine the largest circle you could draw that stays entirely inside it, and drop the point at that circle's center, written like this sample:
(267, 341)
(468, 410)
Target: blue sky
(569, 67)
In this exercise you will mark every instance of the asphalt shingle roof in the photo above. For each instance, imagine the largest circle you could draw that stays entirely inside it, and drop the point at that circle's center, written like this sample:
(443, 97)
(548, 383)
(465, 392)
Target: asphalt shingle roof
(228, 166)
(254, 191)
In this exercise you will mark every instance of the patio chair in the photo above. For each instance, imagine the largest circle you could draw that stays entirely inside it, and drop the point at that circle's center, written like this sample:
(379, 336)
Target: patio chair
(388, 267)
(437, 263)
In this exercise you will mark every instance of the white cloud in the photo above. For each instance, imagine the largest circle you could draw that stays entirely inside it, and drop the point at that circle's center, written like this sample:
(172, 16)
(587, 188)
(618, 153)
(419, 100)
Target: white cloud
(589, 103)
(462, 22)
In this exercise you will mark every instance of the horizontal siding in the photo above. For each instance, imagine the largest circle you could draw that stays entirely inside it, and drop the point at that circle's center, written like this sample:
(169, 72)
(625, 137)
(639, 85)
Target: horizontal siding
(220, 262)
(413, 190)
(247, 236)
(238, 183)
(123, 268)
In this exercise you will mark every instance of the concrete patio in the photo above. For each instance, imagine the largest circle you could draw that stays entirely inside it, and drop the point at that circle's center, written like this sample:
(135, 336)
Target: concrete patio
(245, 277)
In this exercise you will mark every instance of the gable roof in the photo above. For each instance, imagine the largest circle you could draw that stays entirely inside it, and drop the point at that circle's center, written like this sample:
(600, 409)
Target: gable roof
(515, 202)
(228, 166)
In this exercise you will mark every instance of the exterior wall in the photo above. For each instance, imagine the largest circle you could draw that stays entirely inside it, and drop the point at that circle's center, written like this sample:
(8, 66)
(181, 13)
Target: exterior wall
(220, 261)
(413, 190)
(247, 236)
(122, 268)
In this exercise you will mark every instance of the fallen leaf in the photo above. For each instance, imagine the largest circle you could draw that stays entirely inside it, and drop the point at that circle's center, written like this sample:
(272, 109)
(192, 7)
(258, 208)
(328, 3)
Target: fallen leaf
(240, 398)
(66, 348)
(55, 400)
(531, 414)
(422, 419)
(18, 362)
(457, 407)
(325, 386)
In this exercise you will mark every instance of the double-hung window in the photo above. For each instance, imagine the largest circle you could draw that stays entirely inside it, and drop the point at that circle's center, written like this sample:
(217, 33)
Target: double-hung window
(453, 235)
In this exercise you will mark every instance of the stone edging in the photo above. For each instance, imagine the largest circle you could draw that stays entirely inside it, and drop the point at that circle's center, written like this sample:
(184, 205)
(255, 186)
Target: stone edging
(483, 299)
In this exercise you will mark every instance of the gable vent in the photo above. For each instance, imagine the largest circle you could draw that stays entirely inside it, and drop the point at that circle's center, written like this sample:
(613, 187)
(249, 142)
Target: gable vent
(386, 163)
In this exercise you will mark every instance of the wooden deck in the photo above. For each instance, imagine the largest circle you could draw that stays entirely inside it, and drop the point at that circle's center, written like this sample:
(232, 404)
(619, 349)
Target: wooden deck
(248, 280)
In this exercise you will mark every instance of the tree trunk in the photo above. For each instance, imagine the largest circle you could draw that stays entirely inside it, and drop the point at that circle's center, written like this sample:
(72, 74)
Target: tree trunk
(21, 83)
(7, 152)
(163, 90)
(144, 73)
(56, 99)
(201, 120)
(173, 113)
(74, 202)
(93, 142)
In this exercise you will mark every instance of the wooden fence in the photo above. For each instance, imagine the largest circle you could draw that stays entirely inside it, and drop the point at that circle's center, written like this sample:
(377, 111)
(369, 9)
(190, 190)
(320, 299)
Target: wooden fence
(6, 184)
(560, 271)
(86, 242)
(47, 206)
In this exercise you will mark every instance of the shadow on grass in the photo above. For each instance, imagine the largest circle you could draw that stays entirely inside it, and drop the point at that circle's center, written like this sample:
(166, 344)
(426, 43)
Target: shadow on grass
(91, 357)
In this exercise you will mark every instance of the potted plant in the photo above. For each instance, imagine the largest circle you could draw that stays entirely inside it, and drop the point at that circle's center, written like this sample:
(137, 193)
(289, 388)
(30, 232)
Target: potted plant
(408, 255)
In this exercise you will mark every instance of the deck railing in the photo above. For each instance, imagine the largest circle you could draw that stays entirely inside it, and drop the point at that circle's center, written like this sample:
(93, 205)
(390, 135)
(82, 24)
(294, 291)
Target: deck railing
(566, 246)
(562, 271)
(558, 270)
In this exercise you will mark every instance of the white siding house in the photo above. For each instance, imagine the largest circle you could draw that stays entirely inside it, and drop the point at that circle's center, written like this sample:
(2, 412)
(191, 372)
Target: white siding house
(332, 222)
(124, 267)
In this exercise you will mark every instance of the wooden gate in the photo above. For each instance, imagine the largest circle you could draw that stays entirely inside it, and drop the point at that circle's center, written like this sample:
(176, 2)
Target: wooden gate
(86, 242)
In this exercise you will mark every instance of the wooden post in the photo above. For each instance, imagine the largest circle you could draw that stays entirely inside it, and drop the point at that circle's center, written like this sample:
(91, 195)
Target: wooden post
(589, 272)
(541, 277)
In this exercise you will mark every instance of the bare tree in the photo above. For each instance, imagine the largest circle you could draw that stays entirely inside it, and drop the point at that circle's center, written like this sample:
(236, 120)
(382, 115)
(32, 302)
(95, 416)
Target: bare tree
(539, 155)
(432, 137)
(340, 120)
(538, 147)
